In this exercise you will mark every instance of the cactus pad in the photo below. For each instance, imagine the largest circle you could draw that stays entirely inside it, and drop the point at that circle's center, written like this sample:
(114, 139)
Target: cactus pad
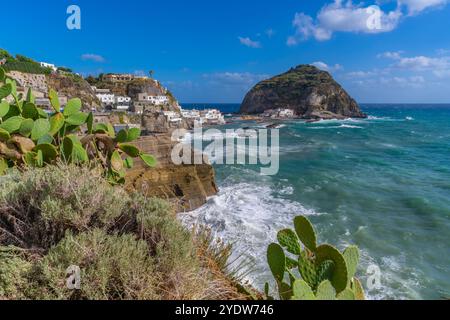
(289, 240)
(302, 291)
(325, 291)
(277, 261)
(305, 232)
(351, 256)
(325, 271)
(291, 263)
(358, 289)
(347, 294)
(339, 278)
(307, 270)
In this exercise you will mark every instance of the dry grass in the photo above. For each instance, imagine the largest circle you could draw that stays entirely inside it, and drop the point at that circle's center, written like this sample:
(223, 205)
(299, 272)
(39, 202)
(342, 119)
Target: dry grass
(127, 246)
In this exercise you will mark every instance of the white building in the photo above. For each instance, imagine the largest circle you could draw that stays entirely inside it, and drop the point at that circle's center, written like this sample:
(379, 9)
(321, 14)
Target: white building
(286, 113)
(173, 116)
(214, 116)
(190, 114)
(105, 96)
(279, 113)
(48, 65)
(122, 102)
(156, 100)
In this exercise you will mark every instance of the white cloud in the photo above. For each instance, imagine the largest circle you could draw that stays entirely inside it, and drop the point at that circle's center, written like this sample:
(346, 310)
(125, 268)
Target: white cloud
(394, 55)
(405, 82)
(235, 78)
(323, 66)
(361, 74)
(344, 16)
(249, 42)
(423, 63)
(417, 6)
(418, 63)
(92, 57)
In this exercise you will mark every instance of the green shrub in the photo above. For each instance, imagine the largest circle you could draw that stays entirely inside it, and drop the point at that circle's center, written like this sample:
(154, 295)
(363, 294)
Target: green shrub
(112, 267)
(13, 270)
(127, 246)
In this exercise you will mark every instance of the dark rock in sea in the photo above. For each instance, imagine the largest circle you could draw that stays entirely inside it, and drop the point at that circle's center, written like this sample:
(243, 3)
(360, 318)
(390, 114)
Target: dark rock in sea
(310, 92)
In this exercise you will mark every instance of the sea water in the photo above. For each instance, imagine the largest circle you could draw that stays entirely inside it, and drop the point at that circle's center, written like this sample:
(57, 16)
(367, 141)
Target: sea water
(381, 183)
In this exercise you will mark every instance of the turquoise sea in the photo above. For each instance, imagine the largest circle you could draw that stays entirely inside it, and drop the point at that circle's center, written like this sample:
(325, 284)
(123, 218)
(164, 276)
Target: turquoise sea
(382, 183)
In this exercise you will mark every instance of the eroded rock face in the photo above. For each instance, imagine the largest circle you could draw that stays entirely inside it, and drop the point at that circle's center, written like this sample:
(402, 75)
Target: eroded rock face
(310, 92)
(153, 122)
(187, 187)
(74, 87)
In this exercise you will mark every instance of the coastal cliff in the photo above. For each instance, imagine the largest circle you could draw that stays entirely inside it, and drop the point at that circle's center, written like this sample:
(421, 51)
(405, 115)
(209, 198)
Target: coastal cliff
(310, 92)
(187, 187)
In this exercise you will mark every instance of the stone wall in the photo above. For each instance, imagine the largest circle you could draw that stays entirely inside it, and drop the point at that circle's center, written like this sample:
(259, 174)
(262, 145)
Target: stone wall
(186, 186)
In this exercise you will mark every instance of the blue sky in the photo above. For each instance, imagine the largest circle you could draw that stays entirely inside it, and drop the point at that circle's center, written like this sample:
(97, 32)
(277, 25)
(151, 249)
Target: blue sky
(215, 51)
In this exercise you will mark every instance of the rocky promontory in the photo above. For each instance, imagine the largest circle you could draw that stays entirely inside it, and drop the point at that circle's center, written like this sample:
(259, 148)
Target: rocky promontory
(310, 92)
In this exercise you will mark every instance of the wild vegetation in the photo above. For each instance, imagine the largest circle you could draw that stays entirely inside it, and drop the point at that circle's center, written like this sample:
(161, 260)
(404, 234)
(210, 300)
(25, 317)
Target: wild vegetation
(22, 64)
(127, 246)
(325, 273)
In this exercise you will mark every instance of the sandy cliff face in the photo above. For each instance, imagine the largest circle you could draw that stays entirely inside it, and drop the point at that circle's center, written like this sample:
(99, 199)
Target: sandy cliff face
(71, 86)
(74, 87)
(310, 92)
(186, 186)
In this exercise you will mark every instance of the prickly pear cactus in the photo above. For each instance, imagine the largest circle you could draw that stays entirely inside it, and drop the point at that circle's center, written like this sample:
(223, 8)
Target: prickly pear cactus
(351, 256)
(277, 261)
(305, 232)
(30, 136)
(326, 291)
(325, 272)
(307, 270)
(289, 240)
(339, 277)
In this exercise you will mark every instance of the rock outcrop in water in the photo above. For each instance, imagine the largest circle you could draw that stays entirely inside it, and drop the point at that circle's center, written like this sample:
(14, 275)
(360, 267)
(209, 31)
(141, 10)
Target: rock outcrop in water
(310, 92)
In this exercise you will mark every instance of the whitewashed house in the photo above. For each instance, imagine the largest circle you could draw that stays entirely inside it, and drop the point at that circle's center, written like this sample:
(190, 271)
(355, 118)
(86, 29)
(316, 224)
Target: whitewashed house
(173, 116)
(214, 116)
(190, 114)
(122, 102)
(156, 100)
(285, 113)
(48, 65)
(105, 96)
